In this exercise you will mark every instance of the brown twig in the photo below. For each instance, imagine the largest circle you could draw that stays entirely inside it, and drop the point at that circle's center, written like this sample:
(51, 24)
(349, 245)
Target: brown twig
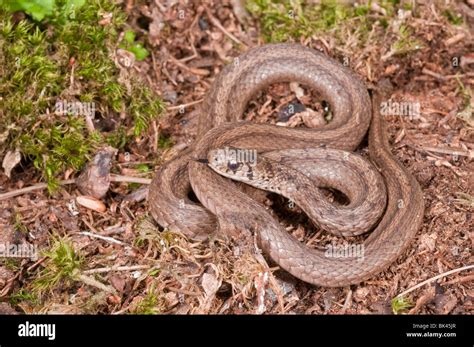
(432, 279)
(216, 22)
(172, 108)
(116, 268)
(29, 189)
(41, 186)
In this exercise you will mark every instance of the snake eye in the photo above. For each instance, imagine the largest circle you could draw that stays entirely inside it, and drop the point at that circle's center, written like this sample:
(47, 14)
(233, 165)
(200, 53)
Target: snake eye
(233, 166)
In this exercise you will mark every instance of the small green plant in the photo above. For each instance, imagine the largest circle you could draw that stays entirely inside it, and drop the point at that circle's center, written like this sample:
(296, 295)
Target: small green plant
(13, 264)
(466, 114)
(400, 305)
(165, 142)
(405, 43)
(131, 45)
(143, 168)
(62, 264)
(150, 304)
(19, 225)
(455, 19)
(22, 295)
(40, 9)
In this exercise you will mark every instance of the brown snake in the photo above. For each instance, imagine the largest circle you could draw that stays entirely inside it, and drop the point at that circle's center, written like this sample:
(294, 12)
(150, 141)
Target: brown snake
(224, 205)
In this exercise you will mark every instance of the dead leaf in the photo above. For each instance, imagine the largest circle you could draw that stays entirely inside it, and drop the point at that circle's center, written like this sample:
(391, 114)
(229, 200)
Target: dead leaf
(211, 284)
(427, 297)
(94, 180)
(11, 160)
(118, 282)
(445, 303)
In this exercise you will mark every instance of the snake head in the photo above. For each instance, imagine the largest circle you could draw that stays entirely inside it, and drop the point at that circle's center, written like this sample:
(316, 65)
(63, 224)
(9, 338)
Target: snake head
(234, 163)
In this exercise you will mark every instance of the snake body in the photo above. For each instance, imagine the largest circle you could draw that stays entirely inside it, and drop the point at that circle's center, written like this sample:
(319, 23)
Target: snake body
(223, 205)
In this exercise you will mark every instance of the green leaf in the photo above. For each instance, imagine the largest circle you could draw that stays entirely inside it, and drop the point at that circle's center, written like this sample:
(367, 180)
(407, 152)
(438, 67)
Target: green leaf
(143, 168)
(139, 51)
(129, 36)
(38, 9)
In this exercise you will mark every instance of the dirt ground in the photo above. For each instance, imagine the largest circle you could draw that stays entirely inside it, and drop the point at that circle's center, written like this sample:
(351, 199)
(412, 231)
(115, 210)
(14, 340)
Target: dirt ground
(129, 266)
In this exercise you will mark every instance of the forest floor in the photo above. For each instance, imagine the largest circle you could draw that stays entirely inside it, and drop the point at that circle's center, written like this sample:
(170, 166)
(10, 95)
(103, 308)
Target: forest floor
(118, 261)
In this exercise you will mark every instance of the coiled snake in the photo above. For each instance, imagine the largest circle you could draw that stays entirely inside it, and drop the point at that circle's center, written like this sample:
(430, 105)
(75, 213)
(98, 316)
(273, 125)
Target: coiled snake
(300, 158)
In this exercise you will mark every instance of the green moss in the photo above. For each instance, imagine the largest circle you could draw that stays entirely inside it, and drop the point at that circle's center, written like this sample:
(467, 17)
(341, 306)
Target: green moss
(143, 168)
(400, 305)
(19, 225)
(131, 45)
(13, 264)
(62, 264)
(406, 42)
(22, 295)
(165, 142)
(283, 20)
(38, 62)
(151, 303)
(144, 107)
(291, 20)
(57, 146)
(453, 18)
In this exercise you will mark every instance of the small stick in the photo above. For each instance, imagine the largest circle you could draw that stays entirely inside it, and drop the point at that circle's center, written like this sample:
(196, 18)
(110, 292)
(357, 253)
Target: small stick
(432, 279)
(347, 302)
(129, 179)
(436, 75)
(195, 71)
(105, 238)
(469, 154)
(467, 278)
(41, 186)
(93, 282)
(36, 264)
(25, 190)
(216, 22)
(116, 268)
(178, 107)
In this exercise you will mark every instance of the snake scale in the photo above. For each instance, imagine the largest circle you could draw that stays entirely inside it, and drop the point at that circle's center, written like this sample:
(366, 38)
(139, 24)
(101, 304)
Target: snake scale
(319, 155)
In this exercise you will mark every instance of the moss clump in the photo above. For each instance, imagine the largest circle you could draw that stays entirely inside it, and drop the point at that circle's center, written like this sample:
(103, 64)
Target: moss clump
(406, 42)
(152, 303)
(21, 296)
(453, 18)
(62, 263)
(67, 57)
(283, 20)
(401, 304)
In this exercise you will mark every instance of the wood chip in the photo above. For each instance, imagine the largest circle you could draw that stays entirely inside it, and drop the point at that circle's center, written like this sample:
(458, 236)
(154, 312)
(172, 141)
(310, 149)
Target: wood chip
(91, 203)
